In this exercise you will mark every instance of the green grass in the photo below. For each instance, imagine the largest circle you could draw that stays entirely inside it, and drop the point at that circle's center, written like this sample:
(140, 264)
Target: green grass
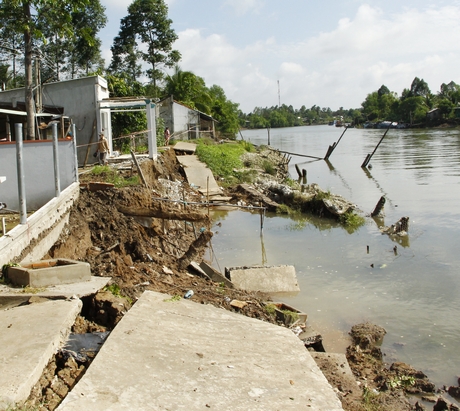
(114, 289)
(111, 176)
(269, 167)
(270, 309)
(222, 159)
(351, 220)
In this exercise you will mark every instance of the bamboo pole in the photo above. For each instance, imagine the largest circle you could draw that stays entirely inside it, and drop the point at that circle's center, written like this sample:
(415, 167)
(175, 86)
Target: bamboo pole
(369, 156)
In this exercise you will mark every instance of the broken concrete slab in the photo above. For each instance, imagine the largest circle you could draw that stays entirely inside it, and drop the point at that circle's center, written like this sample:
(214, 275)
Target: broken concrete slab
(215, 275)
(287, 314)
(312, 339)
(268, 279)
(172, 354)
(199, 175)
(29, 337)
(49, 272)
(10, 296)
(185, 147)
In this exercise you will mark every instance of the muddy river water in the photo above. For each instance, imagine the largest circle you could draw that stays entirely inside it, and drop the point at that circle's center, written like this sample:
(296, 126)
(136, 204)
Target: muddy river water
(413, 291)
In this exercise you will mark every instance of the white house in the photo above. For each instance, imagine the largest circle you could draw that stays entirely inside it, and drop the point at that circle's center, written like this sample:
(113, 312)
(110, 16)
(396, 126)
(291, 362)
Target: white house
(76, 99)
(184, 122)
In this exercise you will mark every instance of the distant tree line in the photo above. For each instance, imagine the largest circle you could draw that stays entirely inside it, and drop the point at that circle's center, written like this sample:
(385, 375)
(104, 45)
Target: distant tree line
(287, 116)
(413, 104)
(410, 108)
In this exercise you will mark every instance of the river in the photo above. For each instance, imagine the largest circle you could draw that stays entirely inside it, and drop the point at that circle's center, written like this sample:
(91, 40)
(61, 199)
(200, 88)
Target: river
(412, 292)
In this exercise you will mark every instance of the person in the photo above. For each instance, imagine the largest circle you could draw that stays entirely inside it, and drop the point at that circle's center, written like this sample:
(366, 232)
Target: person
(103, 149)
(167, 135)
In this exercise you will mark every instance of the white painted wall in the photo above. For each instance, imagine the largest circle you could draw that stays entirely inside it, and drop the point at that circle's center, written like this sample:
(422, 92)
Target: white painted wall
(39, 178)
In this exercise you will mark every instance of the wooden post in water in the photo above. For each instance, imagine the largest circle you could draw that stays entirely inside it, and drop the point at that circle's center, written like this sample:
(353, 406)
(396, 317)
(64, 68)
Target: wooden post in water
(304, 176)
(332, 148)
(369, 156)
(261, 217)
(298, 170)
(379, 207)
(268, 131)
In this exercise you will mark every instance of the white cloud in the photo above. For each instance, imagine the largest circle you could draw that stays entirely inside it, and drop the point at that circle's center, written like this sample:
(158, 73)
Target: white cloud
(242, 7)
(338, 67)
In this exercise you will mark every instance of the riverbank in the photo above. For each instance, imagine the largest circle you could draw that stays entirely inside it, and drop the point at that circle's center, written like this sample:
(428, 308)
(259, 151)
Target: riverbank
(148, 256)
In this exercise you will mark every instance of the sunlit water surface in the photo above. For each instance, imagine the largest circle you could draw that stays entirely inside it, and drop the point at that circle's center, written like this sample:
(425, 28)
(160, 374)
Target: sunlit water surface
(414, 294)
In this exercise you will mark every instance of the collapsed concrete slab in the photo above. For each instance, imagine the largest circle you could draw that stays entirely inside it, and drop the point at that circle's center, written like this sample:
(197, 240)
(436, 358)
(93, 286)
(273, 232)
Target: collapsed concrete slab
(215, 275)
(29, 337)
(169, 354)
(50, 272)
(199, 175)
(268, 279)
(184, 147)
(10, 296)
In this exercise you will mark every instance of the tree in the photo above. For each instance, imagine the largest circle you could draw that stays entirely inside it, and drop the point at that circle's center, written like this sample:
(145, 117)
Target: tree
(450, 92)
(188, 89)
(419, 87)
(85, 49)
(380, 104)
(145, 35)
(224, 111)
(26, 17)
(12, 56)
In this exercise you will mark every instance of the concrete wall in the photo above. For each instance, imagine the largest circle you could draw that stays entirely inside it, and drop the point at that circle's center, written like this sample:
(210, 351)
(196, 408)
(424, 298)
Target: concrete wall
(39, 178)
(51, 219)
(79, 98)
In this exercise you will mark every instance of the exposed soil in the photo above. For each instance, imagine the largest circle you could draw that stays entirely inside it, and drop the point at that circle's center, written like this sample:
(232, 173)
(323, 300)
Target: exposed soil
(153, 253)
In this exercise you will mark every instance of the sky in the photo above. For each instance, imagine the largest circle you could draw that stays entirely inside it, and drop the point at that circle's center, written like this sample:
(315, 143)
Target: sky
(327, 53)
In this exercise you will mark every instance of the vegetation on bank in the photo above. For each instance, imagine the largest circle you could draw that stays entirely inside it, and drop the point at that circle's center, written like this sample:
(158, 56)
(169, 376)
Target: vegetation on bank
(411, 108)
(226, 161)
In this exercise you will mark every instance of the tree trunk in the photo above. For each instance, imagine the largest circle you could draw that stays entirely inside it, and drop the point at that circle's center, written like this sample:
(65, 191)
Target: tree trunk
(157, 213)
(29, 97)
(195, 249)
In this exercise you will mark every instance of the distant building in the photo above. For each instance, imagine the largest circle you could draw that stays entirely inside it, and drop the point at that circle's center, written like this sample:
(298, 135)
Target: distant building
(434, 114)
(184, 122)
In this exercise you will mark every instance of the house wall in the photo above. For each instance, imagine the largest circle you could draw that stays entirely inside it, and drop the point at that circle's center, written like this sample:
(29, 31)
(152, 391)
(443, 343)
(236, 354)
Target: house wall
(38, 172)
(181, 121)
(79, 98)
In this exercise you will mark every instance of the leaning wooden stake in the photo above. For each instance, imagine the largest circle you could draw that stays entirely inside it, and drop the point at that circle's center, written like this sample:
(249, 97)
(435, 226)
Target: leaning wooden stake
(139, 169)
(369, 156)
(304, 176)
(298, 170)
(332, 148)
(195, 249)
(158, 213)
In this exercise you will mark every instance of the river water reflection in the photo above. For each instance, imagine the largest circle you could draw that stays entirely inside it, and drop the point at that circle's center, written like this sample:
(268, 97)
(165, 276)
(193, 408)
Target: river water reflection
(414, 294)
